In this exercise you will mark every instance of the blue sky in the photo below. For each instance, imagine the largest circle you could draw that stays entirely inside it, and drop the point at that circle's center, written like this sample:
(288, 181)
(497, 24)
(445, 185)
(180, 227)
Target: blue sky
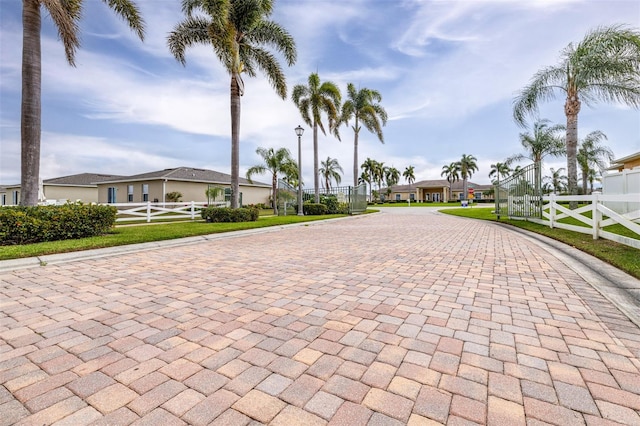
(447, 71)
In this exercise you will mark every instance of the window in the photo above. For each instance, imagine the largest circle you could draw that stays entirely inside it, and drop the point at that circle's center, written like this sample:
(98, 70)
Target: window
(15, 198)
(4, 199)
(145, 192)
(130, 193)
(461, 196)
(397, 197)
(111, 195)
(477, 195)
(412, 197)
(426, 196)
(436, 197)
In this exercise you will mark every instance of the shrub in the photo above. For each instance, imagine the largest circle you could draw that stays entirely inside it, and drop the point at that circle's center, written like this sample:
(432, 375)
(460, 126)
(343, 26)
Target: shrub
(226, 214)
(173, 197)
(313, 209)
(25, 225)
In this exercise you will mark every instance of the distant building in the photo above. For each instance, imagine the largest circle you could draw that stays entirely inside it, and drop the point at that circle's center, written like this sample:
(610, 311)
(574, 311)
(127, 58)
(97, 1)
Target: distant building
(59, 190)
(435, 191)
(192, 183)
(629, 162)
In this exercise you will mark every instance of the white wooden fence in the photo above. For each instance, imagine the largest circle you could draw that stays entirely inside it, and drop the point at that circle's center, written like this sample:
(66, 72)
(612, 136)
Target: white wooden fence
(601, 215)
(160, 211)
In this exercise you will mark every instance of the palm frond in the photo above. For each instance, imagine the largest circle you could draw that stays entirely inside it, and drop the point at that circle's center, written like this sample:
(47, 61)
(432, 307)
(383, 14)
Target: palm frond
(273, 34)
(65, 15)
(128, 11)
(542, 87)
(193, 30)
(270, 66)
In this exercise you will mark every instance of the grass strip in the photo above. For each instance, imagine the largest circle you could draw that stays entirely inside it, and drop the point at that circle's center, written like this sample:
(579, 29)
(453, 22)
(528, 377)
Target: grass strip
(619, 255)
(148, 233)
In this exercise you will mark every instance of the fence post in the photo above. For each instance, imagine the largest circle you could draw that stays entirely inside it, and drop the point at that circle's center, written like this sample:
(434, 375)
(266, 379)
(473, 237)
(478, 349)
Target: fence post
(595, 216)
(148, 211)
(552, 210)
(193, 210)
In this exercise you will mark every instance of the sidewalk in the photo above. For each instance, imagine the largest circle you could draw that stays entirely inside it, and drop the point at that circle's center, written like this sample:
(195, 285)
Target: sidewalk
(403, 317)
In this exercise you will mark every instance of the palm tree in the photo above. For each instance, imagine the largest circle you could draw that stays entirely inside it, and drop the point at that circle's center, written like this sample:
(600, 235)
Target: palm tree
(65, 15)
(239, 33)
(369, 168)
(593, 176)
(452, 173)
(544, 141)
(557, 181)
(604, 66)
(467, 165)
(275, 161)
(330, 170)
(312, 101)
(409, 175)
(592, 154)
(363, 106)
(392, 177)
(499, 170)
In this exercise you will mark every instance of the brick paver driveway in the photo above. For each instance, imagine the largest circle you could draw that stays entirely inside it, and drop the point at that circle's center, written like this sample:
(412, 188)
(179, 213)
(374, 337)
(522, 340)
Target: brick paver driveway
(406, 316)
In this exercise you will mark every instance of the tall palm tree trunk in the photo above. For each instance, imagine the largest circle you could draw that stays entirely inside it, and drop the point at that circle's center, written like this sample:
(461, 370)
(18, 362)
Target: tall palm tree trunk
(274, 191)
(316, 183)
(355, 160)
(30, 128)
(464, 188)
(571, 109)
(356, 130)
(584, 181)
(235, 141)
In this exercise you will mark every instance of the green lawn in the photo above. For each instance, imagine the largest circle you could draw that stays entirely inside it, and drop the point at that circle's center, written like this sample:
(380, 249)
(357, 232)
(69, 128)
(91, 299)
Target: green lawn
(133, 234)
(619, 255)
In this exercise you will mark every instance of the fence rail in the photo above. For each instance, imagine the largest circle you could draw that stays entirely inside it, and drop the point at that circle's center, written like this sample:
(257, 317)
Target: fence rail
(598, 205)
(160, 211)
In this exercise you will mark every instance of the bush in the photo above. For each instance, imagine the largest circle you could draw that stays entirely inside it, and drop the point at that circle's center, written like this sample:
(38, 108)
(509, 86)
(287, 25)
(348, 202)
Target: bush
(333, 206)
(173, 197)
(313, 209)
(25, 225)
(226, 214)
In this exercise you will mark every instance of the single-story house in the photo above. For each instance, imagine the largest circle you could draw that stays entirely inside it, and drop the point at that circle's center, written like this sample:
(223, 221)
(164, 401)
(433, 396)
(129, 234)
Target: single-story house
(435, 191)
(82, 187)
(192, 183)
(629, 162)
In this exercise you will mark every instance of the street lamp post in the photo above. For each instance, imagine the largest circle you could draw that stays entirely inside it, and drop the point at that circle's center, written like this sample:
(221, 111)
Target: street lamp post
(299, 131)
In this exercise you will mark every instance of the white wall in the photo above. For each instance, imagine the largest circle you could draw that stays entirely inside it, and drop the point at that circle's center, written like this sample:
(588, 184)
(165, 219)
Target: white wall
(624, 182)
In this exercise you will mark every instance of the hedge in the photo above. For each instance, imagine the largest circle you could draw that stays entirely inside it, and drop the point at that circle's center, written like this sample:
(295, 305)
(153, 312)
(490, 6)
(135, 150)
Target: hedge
(34, 224)
(313, 209)
(226, 214)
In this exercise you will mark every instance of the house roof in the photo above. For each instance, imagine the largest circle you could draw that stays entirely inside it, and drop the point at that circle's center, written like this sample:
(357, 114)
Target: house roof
(620, 162)
(185, 174)
(82, 179)
(437, 183)
(631, 157)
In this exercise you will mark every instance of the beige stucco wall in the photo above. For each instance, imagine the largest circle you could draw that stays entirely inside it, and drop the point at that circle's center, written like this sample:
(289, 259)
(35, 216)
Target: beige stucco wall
(194, 191)
(71, 193)
(191, 191)
(421, 194)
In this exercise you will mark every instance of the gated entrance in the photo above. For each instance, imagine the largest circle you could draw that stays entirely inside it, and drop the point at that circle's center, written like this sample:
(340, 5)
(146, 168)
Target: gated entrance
(356, 197)
(520, 195)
